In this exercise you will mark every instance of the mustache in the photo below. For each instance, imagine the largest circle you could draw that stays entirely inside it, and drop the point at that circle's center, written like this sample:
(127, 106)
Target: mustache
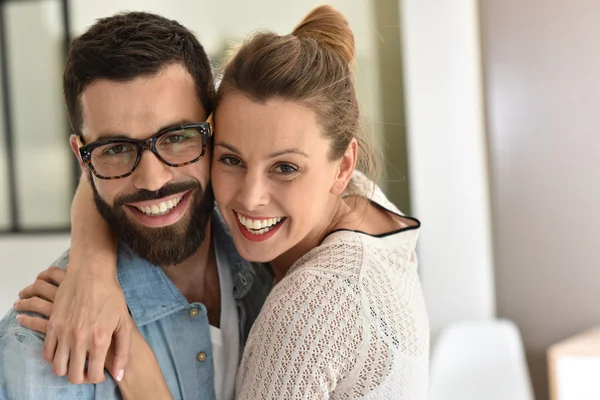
(167, 190)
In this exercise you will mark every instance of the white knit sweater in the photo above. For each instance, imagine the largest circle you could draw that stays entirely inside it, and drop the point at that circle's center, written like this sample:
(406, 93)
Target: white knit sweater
(347, 322)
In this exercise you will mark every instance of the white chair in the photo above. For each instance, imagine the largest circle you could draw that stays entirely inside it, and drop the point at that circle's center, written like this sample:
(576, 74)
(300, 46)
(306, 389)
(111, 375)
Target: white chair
(481, 360)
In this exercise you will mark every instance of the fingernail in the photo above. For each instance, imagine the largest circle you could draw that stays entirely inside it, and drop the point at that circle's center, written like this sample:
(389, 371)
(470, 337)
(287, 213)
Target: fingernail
(19, 317)
(120, 375)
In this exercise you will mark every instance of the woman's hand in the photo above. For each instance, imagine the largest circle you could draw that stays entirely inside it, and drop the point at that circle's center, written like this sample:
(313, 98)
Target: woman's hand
(89, 309)
(86, 313)
(39, 298)
(144, 379)
(89, 312)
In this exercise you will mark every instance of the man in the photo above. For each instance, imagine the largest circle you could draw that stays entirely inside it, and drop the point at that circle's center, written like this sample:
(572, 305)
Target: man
(138, 89)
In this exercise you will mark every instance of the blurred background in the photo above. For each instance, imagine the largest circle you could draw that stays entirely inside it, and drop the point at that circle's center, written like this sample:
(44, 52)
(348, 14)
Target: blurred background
(486, 116)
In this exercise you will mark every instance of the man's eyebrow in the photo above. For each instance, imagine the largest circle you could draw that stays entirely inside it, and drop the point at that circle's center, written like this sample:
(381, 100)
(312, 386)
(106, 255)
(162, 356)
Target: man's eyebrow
(107, 136)
(121, 135)
(273, 155)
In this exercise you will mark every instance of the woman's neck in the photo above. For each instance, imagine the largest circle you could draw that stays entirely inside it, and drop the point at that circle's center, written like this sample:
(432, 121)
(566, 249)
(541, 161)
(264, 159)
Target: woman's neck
(337, 212)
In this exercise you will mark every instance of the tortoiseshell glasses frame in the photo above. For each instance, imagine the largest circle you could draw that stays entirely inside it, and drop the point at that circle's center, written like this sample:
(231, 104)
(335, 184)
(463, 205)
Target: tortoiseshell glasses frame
(86, 151)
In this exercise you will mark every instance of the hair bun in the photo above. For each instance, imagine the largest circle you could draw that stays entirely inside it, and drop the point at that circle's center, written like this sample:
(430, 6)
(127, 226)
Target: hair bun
(328, 27)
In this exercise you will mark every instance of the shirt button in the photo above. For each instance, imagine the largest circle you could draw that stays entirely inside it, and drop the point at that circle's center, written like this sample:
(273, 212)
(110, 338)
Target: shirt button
(194, 312)
(202, 356)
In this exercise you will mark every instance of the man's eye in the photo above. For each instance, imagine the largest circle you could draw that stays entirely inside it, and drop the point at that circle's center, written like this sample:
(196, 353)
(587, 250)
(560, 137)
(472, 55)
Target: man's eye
(116, 149)
(175, 139)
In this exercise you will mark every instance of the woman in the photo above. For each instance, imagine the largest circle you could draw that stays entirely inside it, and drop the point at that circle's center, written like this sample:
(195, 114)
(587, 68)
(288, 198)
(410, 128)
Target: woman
(346, 318)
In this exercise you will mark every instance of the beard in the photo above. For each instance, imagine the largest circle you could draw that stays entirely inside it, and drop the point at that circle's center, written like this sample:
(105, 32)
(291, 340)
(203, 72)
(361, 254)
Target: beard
(168, 245)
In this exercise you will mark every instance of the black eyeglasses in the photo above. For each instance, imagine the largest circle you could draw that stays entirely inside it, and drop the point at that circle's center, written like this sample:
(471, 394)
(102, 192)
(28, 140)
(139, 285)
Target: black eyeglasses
(118, 158)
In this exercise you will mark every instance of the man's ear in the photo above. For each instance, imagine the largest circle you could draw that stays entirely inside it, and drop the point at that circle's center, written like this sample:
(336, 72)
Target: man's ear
(346, 168)
(75, 141)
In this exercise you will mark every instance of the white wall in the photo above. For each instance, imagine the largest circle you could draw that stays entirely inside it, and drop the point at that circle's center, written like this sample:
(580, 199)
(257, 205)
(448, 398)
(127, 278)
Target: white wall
(543, 91)
(4, 195)
(40, 131)
(22, 258)
(447, 157)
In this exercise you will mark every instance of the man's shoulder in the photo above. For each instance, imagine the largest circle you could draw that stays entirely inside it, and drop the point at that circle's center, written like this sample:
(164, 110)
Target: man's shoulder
(23, 371)
(62, 261)
(11, 328)
(15, 338)
(9, 321)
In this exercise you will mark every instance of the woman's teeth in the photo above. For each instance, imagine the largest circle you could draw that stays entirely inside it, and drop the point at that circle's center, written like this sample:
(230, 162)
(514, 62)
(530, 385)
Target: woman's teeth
(161, 208)
(257, 226)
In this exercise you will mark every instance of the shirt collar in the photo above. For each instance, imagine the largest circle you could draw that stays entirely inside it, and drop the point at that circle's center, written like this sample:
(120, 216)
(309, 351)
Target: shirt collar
(242, 271)
(149, 293)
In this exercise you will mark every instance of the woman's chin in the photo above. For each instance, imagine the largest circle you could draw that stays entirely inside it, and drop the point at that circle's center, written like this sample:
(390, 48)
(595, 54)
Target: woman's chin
(256, 255)
(254, 252)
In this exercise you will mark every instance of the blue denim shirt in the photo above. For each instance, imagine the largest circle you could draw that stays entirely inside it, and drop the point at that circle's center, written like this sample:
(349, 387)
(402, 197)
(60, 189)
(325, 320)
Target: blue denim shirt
(162, 315)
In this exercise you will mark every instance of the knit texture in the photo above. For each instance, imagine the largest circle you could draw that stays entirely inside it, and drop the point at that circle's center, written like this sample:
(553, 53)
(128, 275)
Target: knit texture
(347, 322)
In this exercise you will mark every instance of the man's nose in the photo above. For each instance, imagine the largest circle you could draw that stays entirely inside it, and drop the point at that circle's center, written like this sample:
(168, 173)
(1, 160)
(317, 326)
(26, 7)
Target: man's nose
(151, 173)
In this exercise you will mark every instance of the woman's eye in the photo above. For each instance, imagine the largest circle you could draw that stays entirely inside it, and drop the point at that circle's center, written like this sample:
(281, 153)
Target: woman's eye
(232, 161)
(285, 169)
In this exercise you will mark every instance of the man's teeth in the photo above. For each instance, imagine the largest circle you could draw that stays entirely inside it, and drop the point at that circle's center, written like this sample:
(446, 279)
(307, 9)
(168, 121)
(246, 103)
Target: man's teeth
(161, 208)
(257, 226)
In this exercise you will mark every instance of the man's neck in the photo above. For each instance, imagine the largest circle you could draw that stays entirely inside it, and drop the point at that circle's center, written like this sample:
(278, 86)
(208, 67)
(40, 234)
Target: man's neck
(196, 273)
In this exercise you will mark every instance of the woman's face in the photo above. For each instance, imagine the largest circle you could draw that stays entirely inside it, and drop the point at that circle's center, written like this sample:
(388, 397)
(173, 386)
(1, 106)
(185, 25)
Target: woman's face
(271, 175)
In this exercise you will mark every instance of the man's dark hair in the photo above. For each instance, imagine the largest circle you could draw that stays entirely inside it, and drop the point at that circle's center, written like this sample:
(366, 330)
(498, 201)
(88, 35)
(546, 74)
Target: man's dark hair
(129, 45)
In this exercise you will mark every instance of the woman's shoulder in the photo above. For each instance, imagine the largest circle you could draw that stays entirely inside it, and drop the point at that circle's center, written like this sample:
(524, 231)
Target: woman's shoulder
(352, 254)
(374, 216)
(340, 254)
(371, 191)
(375, 292)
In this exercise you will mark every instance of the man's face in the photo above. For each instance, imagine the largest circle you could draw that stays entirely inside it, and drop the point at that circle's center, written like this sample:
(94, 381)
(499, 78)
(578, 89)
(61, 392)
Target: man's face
(161, 212)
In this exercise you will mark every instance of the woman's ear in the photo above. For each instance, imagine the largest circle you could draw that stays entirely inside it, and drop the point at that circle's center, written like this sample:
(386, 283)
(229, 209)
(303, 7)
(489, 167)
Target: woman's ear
(346, 168)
